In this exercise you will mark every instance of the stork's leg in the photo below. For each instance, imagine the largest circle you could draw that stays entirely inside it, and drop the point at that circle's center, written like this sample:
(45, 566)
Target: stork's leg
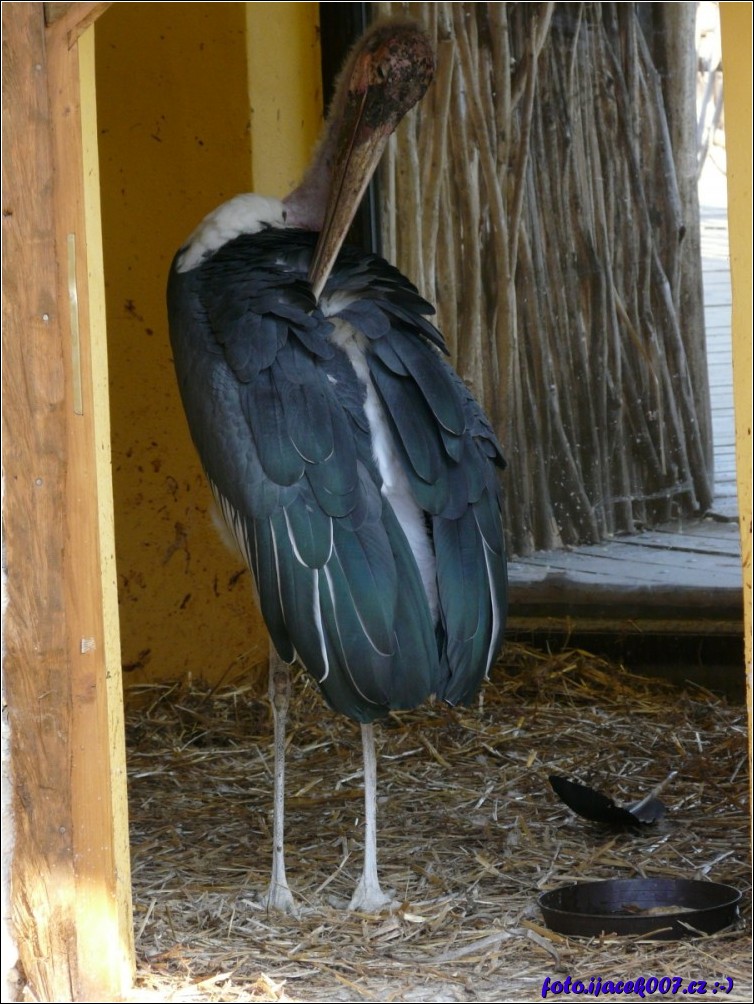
(368, 896)
(279, 896)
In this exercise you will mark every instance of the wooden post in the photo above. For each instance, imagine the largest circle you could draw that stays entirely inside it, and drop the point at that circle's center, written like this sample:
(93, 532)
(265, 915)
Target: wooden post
(70, 881)
(736, 24)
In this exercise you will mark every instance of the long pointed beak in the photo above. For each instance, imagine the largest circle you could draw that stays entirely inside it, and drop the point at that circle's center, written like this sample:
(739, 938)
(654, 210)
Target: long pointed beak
(359, 150)
(386, 76)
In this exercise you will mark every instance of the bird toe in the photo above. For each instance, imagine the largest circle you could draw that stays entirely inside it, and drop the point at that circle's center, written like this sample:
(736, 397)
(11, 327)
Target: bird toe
(369, 898)
(280, 898)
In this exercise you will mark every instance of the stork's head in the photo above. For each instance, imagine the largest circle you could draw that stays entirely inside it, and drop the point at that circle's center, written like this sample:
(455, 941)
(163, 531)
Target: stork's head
(386, 74)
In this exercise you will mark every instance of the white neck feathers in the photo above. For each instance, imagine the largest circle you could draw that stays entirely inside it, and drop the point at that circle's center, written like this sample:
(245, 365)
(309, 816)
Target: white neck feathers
(244, 214)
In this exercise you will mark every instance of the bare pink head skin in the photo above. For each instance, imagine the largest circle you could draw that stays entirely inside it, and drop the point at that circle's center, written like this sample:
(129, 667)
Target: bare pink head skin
(385, 75)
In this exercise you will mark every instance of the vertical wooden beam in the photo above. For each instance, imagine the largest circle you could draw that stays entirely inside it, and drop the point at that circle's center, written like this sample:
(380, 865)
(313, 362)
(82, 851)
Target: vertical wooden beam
(37, 683)
(102, 913)
(736, 26)
(69, 898)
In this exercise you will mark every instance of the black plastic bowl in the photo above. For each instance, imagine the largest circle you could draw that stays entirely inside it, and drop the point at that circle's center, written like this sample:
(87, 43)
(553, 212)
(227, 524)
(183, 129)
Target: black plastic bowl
(666, 909)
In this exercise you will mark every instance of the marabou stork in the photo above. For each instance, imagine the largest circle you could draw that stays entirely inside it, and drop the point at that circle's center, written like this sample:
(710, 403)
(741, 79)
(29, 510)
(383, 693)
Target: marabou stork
(353, 468)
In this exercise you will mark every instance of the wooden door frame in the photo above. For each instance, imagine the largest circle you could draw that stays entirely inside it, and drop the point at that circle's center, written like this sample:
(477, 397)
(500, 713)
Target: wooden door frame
(70, 898)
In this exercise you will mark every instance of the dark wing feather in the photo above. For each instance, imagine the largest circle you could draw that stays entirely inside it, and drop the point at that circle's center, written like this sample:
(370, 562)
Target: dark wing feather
(266, 418)
(277, 415)
(411, 422)
(451, 458)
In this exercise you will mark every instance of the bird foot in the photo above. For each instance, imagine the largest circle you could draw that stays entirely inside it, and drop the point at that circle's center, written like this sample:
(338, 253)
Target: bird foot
(280, 898)
(369, 898)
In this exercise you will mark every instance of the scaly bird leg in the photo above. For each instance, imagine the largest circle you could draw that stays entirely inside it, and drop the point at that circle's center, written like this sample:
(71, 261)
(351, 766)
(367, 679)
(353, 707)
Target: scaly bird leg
(279, 896)
(368, 896)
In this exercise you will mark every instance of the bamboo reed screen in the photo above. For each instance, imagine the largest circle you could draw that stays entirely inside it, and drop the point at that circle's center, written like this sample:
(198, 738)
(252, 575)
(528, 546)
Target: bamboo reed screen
(532, 197)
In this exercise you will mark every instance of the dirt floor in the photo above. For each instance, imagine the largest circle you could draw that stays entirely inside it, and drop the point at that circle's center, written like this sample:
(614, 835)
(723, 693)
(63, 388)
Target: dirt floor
(471, 834)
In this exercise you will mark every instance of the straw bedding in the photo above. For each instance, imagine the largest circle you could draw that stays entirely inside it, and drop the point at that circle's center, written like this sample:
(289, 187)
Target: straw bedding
(470, 834)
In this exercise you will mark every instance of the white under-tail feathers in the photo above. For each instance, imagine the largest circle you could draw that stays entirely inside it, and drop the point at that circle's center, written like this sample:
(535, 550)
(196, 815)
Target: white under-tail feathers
(317, 613)
(229, 526)
(497, 626)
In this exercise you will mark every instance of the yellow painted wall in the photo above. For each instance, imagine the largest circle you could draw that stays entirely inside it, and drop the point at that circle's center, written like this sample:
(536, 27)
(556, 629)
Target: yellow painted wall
(285, 91)
(175, 141)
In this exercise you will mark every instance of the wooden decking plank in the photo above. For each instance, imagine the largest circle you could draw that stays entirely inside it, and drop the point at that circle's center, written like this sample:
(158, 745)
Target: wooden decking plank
(676, 577)
(720, 362)
(579, 591)
(618, 572)
(724, 413)
(704, 538)
(615, 566)
(717, 316)
(730, 548)
(718, 352)
(725, 477)
(725, 460)
(686, 563)
(718, 308)
(700, 527)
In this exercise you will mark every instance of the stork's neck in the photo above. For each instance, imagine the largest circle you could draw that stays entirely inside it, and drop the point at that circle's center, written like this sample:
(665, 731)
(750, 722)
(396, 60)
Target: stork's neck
(248, 214)
(305, 205)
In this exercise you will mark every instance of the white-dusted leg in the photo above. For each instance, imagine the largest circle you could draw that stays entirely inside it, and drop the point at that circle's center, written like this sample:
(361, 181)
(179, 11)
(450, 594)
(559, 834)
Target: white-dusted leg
(368, 897)
(279, 896)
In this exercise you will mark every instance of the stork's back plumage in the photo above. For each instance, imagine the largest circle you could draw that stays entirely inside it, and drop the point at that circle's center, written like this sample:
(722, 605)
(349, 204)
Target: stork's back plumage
(282, 397)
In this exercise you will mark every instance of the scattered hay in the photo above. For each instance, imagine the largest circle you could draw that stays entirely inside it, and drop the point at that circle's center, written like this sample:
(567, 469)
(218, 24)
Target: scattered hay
(470, 833)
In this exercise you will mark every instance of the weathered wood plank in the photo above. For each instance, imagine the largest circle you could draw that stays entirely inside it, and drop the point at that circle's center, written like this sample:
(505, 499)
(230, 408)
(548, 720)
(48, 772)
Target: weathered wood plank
(619, 573)
(687, 567)
(680, 577)
(708, 530)
(685, 545)
(73, 937)
(576, 595)
(71, 19)
(37, 671)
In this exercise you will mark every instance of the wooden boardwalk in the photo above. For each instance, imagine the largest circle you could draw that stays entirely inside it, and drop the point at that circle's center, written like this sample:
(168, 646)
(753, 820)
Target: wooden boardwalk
(682, 577)
(717, 312)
